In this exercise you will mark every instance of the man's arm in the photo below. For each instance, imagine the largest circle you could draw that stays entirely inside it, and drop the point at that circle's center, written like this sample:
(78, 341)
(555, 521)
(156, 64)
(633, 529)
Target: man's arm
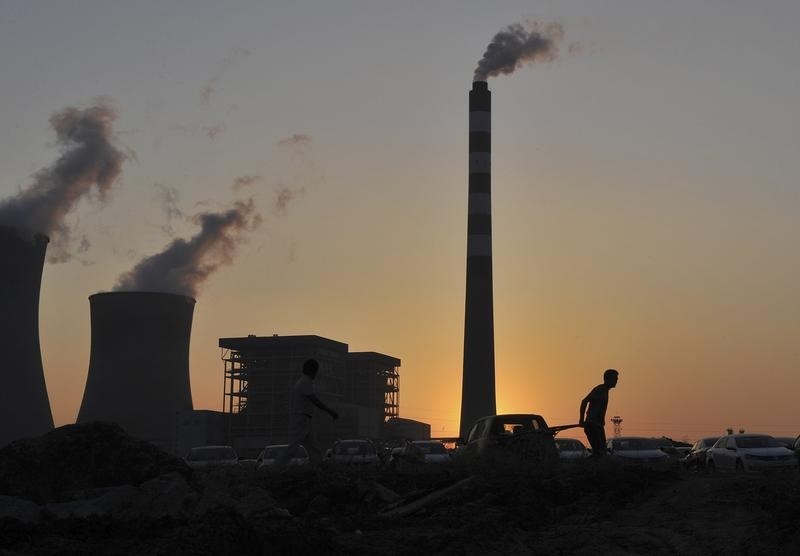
(584, 402)
(317, 402)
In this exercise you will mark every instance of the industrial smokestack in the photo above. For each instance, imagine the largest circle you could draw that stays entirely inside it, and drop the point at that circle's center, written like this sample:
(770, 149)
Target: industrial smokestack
(24, 406)
(477, 388)
(139, 363)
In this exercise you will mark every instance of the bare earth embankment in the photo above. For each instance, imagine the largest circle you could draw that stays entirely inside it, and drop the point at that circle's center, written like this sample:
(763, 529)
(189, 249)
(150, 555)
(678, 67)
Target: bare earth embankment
(93, 490)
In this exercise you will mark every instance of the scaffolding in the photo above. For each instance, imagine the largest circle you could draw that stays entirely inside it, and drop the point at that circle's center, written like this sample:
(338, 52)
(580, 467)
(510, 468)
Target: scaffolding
(236, 380)
(391, 397)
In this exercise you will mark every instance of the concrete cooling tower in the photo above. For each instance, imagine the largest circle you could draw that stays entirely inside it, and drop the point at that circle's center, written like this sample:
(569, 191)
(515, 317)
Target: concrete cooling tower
(24, 406)
(139, 363)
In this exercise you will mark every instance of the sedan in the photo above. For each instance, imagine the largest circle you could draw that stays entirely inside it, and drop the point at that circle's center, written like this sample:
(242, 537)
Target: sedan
(748, 452)
(571, 449)
(203, 457)
(270, 454)
(636, 450)
(354, 452)
(696, 458)
(421, 451)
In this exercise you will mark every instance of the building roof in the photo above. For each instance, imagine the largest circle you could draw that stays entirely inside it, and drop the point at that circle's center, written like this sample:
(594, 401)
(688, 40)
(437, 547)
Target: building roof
(275, 342)
(374, 357)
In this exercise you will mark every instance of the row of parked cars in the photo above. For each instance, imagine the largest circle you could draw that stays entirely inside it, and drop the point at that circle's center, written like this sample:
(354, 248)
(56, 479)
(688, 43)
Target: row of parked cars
(743, 452)
(529, 437)
(355, 452)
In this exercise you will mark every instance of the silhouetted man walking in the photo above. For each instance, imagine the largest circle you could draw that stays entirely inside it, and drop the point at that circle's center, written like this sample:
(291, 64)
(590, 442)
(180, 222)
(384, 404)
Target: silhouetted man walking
(303, 402)
(593, 421)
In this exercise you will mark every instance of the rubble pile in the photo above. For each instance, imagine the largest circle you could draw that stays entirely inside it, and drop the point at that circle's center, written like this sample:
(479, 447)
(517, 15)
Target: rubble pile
(91, 489)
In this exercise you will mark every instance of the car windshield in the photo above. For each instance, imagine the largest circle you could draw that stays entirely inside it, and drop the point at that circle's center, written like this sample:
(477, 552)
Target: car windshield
(634, 444)
(353, 448)
(707, 442)
(569, 445)
(430, 447)
(211, 453)
(757, 442)
(515, 425)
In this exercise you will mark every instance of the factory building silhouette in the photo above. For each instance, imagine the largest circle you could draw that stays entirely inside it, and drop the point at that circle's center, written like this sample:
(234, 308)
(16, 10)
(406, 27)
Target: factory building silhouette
(260, 373)
(24, 404)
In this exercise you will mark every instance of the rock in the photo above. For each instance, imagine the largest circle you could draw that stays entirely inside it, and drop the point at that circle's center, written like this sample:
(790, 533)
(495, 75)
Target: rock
(257, 501)
(169, 495)
(19, 509)
(123, 502)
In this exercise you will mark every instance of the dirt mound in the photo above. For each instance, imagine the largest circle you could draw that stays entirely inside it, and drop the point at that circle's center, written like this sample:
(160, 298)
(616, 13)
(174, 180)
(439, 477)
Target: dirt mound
(73, 458)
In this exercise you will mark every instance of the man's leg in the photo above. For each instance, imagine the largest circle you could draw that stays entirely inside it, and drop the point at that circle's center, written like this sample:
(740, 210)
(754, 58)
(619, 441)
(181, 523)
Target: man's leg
(596, 434)
(310, 443)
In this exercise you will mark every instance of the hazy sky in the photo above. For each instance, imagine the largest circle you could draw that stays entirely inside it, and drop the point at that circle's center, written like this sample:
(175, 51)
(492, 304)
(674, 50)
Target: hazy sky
(645, 191)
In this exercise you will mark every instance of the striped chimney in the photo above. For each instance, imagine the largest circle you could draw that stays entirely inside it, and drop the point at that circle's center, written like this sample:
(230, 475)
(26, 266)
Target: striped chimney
(477, 387)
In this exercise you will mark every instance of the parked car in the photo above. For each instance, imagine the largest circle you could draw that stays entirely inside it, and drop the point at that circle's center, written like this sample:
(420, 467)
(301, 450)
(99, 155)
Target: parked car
(749, 452)
(637, 450)
(787, 441)
(526, 436)
(270, 454)
(571, 449)
(696, 458)
(420, 451)
(354, 452)
(202, 457)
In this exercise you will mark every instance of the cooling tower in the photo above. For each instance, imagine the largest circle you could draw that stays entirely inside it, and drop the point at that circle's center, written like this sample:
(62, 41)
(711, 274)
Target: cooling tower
(477, 386)
(24, 406)
(139, 363)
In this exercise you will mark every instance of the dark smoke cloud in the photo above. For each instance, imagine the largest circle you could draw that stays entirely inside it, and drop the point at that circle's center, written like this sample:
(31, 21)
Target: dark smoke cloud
(168, 197)
(184, 265)
(230, 60)
(213, 131)
(90, 162)
(244, 181)
(295, 140)
(284, 196)
(518, 45)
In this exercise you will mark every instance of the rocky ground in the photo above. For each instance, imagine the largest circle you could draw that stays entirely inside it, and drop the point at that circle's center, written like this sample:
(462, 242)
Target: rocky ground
(90, 489)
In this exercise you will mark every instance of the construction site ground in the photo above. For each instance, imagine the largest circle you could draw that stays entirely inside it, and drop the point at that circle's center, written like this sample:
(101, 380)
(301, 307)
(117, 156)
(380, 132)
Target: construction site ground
(116, 495)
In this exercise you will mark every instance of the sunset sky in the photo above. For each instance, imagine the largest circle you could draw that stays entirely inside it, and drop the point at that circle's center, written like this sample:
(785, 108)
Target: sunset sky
(645, 191)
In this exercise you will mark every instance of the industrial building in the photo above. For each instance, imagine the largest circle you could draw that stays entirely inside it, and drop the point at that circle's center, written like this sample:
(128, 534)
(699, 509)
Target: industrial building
(260, 373)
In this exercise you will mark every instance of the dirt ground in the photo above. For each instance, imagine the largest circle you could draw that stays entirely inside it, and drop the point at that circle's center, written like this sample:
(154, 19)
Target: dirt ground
(508, 508)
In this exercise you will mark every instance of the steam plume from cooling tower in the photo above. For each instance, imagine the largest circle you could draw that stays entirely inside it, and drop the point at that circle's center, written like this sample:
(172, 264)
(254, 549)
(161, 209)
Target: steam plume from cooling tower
(90, 160)
(184, 265)
(518, 45)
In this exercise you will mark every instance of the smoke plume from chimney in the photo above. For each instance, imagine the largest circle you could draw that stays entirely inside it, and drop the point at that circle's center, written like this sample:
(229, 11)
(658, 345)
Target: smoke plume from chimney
(90, 159)
(518, 45)
(185, 264)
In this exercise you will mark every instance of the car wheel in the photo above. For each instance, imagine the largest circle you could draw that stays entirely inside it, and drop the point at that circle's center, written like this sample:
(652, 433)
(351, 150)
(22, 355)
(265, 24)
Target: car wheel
(739, 466)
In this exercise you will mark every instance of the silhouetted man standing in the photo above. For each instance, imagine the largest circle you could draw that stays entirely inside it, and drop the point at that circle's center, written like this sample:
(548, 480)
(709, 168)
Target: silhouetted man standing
(593, 421)
(303, 402)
